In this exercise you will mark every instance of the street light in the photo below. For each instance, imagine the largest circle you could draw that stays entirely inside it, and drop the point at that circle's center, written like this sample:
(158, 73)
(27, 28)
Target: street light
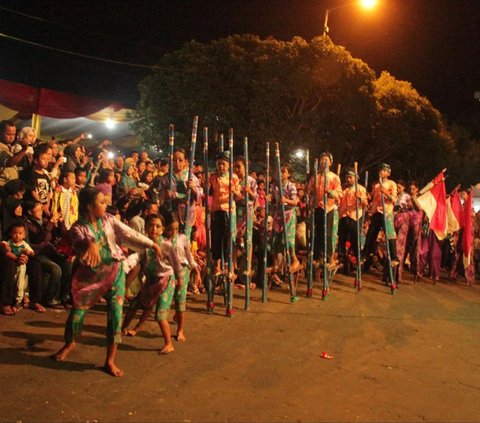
(364, 4)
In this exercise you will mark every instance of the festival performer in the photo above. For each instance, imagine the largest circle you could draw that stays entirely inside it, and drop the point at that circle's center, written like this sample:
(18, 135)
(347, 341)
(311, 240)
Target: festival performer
(334, 195)
(184, 255)
(347, 210)
(401, 224)
(290, 201)
(179, 187)
(220, 226)
(159, 286)
(247, 183)
(99, 273)
(382, 218)
(414, 228)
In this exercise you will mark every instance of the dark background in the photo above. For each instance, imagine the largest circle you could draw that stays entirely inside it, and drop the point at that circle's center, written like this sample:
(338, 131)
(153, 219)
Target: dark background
(434, 44)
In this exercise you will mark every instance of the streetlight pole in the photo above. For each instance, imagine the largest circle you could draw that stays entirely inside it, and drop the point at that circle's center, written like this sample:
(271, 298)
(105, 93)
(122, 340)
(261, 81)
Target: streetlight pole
(326, 29)
(365, 4)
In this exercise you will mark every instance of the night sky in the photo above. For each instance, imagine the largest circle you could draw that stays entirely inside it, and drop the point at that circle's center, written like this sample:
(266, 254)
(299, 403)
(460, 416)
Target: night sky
(434, 44)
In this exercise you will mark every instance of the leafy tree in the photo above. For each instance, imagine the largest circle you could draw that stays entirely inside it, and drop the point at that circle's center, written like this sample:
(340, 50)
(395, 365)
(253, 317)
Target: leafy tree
(303, 94)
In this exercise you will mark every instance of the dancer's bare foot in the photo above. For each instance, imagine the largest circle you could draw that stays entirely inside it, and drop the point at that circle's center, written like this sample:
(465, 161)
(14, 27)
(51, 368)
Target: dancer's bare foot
(112, 370)
(62, 353)
(129, 332)
(167, 349)
(181, 336)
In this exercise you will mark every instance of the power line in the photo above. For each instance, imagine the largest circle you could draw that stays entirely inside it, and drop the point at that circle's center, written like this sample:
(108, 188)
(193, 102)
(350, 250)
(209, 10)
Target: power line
(87, 56)
(72, 27)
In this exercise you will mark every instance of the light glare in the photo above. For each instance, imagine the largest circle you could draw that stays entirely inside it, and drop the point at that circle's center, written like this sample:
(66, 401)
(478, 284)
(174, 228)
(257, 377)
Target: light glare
(368, 4)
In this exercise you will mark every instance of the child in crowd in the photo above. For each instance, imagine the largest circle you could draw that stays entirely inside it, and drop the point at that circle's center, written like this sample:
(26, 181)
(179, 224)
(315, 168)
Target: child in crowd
(19, 251)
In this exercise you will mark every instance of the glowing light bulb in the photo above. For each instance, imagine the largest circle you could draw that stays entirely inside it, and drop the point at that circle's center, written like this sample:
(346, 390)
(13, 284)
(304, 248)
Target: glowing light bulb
(110, 123)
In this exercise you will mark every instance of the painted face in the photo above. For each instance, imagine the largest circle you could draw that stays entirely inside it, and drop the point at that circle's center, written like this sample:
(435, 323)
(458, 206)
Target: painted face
(171, 230)
(17, 234)
(99, 207)
(179, 161)
(154, 229)
(8, 134)
(239, 168)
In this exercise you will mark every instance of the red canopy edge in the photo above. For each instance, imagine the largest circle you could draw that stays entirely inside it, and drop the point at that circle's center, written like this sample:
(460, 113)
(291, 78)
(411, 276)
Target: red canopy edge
(45, 102)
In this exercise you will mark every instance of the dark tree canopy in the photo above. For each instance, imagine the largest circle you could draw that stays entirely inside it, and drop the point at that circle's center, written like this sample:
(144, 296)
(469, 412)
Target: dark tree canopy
(303, 94)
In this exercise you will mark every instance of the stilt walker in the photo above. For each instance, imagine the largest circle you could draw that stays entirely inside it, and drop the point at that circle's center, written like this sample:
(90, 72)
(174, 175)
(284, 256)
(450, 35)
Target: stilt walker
(171, 145)
(229, 279)
(326, 284)
(310, 273)
(293, 297)
(358, 276)
(248, 239)
(265, 235)
(193, 145)
(393, 285)
(208, 277)
(360, 242)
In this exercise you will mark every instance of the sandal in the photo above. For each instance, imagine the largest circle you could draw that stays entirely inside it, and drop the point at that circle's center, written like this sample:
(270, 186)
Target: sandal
(38, 308)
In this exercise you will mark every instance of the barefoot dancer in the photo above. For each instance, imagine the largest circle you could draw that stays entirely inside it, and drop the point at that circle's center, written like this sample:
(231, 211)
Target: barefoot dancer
(160, 275)
(99, 272)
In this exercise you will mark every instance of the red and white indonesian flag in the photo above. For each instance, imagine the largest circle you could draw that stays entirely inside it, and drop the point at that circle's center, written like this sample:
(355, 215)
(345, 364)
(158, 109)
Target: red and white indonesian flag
(454, 212)
(467, 238)
(434, 204)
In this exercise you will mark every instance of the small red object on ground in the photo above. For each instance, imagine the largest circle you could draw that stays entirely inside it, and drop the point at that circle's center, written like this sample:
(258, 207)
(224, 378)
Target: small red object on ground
(326, 355)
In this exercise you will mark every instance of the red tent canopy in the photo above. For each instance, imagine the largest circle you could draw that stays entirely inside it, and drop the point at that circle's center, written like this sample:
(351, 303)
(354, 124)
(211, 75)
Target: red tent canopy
(44, 102)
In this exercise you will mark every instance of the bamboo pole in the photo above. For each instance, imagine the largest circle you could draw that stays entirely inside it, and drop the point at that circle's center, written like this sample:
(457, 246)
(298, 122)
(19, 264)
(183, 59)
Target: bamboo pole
(229, 279)
(265, 235)
(311, 246)
(193, 144)
(358, 276)
(171, 145)
(247, 241)
(210, 287)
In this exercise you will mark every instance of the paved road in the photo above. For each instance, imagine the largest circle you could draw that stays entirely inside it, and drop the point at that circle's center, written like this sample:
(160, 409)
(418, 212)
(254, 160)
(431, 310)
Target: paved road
(409, 357)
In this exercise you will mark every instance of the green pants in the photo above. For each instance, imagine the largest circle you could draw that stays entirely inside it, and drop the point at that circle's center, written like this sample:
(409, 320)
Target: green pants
(114, 298)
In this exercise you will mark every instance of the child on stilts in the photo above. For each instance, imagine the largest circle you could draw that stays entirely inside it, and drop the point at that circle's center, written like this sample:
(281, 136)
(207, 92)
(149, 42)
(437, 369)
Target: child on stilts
(290, 201)
(247, 183)
(220, 226)
(334, 195)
